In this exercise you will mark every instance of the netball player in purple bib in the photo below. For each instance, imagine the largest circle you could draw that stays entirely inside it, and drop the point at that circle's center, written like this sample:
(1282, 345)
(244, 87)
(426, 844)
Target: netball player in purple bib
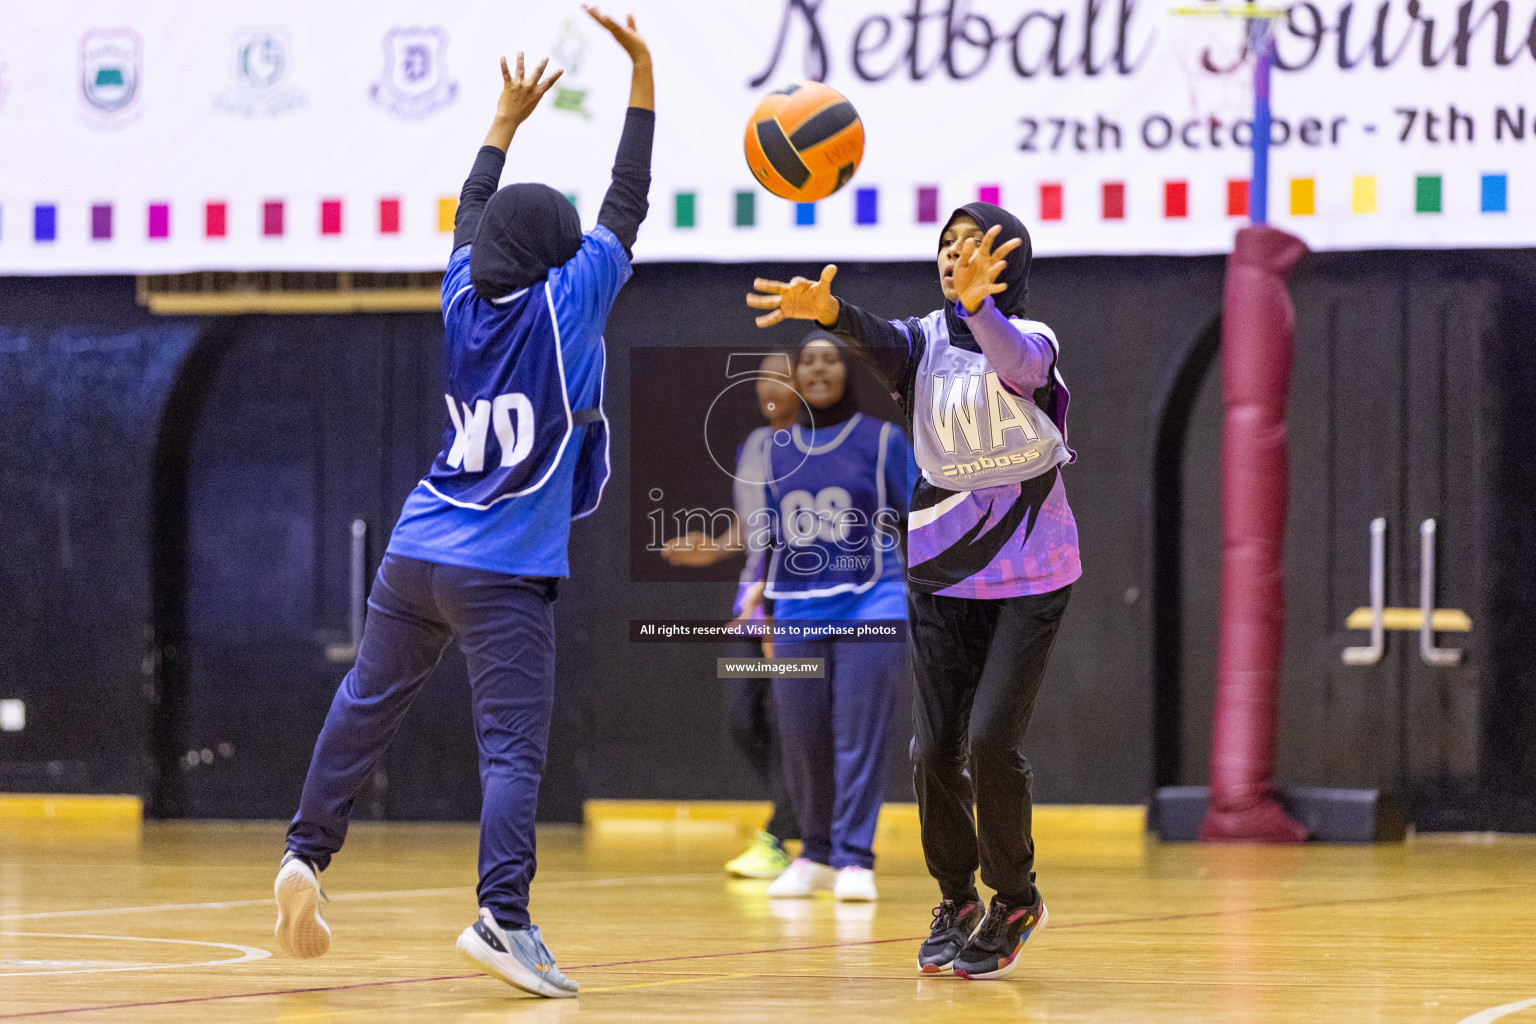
(836, 493)
(992, 556)
(481, 542)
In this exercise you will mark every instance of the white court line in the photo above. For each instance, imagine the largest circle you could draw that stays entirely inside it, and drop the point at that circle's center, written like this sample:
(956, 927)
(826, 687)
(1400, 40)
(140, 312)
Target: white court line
(565, 883)
(246, 953)
(209, 906)
(1494, 1013)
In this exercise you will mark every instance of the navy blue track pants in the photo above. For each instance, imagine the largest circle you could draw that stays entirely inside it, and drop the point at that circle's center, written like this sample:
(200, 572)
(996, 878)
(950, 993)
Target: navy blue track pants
(833, 736)
(506, 628)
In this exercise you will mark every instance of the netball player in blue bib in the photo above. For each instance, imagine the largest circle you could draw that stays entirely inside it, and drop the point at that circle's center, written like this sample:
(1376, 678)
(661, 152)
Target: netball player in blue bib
(837, 493)
(749, 712)
(481, 541)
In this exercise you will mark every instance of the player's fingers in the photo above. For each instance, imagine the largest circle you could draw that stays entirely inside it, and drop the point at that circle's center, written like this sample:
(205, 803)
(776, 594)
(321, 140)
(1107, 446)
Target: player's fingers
(1007, 247)
(631, 22)
(519, 67)
(538, 73)
(769, 319)
(506, 76)
(967, 251)
(828, 272)
(764, 301)
(550, 81)
(997, 289)
(762, 284)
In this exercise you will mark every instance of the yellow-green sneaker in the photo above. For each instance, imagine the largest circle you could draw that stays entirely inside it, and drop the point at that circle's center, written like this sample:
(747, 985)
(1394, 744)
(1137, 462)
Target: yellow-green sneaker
(765, 858)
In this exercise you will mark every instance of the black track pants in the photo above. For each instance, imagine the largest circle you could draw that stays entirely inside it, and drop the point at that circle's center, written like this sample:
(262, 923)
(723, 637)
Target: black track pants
(976, 671)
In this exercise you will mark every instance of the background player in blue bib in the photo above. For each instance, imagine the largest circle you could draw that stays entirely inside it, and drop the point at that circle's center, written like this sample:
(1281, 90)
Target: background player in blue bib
(749, 711)
(481, 541)
(838, 494)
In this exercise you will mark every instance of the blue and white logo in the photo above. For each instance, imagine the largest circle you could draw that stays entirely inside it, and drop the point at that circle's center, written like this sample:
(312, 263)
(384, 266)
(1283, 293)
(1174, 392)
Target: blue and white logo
(415, 82)
(111, 72)
(263, 68)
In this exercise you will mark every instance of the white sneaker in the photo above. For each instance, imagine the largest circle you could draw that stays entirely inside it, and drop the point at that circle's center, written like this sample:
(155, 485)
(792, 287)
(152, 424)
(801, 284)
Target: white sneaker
(802, 878)
(518, 957)
(301, 931)
(855, 885)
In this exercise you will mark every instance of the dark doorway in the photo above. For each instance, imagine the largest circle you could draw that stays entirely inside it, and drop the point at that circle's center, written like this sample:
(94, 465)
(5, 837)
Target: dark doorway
(1175, 545)
(1390, 417)
(290, 441)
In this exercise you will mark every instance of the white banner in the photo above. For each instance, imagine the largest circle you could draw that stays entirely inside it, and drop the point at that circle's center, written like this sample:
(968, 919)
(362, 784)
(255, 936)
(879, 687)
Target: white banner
(168, 136)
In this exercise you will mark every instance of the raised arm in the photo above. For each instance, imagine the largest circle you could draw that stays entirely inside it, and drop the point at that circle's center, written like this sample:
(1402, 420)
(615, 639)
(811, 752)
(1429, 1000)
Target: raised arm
(882, 345)
(1023, 361)
(519, 96)
(626, 204)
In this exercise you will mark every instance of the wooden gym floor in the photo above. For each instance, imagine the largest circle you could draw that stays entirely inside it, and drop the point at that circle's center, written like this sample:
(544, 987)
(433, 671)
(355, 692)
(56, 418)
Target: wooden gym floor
(175, 924)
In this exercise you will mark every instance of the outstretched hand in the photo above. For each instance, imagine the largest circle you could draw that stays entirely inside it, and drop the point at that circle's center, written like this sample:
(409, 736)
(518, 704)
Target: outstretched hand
(696, 548)
(521, 93)
(976, 271)
(624, 34)
(694, 551)
(798, 299)
(751, 601)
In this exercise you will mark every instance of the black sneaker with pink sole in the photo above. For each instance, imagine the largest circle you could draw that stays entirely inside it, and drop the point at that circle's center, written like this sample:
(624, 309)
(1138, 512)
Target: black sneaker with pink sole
(993, 951)
(954, 922)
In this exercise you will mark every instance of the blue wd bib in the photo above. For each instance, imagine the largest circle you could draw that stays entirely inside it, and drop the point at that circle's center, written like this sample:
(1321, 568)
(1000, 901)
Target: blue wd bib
(509, 412)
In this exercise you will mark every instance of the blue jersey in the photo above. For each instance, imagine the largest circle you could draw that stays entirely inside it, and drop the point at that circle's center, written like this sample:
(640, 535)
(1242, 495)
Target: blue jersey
(525, 444)
(838, 497)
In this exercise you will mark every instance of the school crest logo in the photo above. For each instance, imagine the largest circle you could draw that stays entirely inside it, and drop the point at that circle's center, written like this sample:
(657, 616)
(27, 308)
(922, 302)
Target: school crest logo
(415, 82)
(111, 73)
(263, 71)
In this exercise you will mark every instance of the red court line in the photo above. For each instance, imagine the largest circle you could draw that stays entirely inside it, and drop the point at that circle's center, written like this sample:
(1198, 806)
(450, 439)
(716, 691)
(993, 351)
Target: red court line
(1078, 924)
(741, 952)
(1402, 898)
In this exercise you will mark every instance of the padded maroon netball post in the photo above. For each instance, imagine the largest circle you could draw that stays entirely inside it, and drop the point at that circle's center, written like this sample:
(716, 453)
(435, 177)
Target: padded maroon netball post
(1257, 338)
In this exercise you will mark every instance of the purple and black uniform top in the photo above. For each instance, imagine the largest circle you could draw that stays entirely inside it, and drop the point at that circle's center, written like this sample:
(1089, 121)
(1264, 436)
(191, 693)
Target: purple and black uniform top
(989, 540)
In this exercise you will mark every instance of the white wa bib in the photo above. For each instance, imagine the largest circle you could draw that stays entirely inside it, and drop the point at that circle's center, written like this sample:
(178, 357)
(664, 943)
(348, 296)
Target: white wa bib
(970, 431)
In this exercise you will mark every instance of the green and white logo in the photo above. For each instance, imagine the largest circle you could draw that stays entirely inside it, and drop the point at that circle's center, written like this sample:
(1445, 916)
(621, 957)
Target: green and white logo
(111, 71)
(262, 70)
(570, 49)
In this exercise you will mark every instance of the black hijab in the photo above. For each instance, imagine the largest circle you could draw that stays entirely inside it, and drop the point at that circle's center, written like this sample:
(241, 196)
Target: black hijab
(526, 231)
(840, 410)
(1015, 275)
